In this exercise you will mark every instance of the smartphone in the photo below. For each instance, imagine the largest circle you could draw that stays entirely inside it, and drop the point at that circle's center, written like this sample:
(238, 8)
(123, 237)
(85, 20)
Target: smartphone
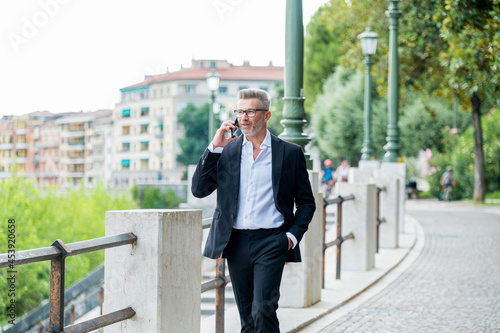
(234, 130)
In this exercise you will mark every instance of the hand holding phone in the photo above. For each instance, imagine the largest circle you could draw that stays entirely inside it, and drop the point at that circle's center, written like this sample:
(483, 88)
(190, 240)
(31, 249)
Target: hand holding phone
(233, 130)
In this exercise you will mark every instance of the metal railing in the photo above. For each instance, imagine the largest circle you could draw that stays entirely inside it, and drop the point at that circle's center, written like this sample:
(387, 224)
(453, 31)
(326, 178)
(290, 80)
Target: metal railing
(219, 283)
(57, 254)
(379, 220)
(340, 239)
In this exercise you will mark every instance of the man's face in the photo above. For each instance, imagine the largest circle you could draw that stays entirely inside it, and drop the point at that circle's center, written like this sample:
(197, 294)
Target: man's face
(255, 125)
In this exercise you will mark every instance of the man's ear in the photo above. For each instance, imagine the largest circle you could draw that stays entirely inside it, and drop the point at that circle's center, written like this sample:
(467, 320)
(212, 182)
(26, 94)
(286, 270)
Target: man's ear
(267, 115)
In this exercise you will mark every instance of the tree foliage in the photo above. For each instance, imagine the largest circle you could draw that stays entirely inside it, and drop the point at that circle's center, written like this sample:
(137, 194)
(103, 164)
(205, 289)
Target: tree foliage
(447, 48)
(337, 117)
(43, 215)
(195, 140)
(153, 198)
(459, 154)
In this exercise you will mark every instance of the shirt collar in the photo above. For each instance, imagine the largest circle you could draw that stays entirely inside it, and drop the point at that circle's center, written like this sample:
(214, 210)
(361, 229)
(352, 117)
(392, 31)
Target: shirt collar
(264, 144)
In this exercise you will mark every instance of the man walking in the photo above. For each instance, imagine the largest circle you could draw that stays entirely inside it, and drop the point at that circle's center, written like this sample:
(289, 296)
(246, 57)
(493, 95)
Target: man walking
(260, 179)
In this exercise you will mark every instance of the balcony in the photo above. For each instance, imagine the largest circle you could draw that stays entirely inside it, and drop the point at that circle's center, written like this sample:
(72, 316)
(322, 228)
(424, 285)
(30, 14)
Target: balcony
(21, 131)
(159, 135)
(73, 134)
(48, 144)
(74, 174)
(21, 145)
(6, 146)
(159, 153)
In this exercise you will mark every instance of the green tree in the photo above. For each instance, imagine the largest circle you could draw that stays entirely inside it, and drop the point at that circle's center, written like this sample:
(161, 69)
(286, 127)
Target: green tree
(195, 140)
(337, 117)
(446, 49)
(422, 121)
(471, 33)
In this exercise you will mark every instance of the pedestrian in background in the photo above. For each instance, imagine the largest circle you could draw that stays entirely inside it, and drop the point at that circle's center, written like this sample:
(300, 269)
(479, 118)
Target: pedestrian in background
(342, 172)
(327, 178)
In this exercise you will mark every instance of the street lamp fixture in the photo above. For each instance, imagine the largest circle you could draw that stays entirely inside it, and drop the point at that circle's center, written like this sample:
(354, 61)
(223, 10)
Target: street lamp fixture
(213, 79)
(368, 45)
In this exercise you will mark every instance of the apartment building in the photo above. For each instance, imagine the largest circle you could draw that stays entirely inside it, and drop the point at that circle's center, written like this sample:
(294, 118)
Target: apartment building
(82, 153)
(58, 149)
(145, 127)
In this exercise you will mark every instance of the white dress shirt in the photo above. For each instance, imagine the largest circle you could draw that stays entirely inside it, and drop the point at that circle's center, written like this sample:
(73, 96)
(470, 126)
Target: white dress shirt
(256, 207)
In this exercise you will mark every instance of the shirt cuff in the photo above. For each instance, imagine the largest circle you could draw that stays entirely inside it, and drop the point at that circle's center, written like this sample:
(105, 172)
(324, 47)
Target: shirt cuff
(292, 237)
(217, 150)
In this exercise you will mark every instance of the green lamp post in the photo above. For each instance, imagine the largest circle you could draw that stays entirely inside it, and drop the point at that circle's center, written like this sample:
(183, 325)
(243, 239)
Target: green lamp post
(392, 148)
(213, 85)
(293, 110)
(368, 45)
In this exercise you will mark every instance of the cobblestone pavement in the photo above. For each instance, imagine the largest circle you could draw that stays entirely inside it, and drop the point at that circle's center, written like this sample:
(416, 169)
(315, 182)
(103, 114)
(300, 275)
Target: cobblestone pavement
(453, 286)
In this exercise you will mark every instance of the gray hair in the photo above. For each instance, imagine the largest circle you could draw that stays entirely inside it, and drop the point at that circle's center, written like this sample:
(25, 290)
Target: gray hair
(261, 95)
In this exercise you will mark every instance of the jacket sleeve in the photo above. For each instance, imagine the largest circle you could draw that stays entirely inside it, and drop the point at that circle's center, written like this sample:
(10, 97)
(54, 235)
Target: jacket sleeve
(205, 176)
(304, 199)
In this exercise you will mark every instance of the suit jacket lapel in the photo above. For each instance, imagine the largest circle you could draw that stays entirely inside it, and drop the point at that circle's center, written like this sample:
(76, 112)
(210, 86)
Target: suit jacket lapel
(235, 162)
(277, 163)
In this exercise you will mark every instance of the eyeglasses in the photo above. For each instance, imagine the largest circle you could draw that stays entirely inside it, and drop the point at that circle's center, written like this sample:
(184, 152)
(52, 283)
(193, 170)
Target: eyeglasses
(250, 112)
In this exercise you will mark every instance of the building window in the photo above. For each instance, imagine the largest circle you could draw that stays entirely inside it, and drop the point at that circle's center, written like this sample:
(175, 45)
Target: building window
(243, 87)
(126, 113)
(222, 90)
(144, 163)
(126, 130)
(144, 128)
(189, 89)
(145, 112)
(213, 64)
(125, 146)
(125, 164)
(144, 146)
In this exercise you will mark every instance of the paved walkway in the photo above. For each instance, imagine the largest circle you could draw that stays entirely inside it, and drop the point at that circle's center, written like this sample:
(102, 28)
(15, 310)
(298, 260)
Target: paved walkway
(452, 286)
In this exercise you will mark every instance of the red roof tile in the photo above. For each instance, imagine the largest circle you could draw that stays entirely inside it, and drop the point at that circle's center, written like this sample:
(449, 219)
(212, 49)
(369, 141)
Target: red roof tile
(232, 73)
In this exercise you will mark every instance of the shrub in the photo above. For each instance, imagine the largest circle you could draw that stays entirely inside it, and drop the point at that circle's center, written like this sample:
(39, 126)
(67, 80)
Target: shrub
(43, 215)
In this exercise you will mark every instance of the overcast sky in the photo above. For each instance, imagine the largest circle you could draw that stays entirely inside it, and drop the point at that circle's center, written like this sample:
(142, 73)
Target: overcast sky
(72, 55)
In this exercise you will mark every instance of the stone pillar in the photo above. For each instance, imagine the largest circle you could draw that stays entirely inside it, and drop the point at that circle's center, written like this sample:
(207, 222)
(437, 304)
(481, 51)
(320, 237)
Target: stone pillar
(301, 283)
(358, 217)
(160, 276)
(389, 210)
(397, 170)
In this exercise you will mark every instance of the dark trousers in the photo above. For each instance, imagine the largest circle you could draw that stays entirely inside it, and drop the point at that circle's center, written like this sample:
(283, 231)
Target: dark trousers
(256, 259)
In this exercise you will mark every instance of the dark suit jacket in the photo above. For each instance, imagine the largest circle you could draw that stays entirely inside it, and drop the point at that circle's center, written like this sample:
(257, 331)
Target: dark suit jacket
(291, 186)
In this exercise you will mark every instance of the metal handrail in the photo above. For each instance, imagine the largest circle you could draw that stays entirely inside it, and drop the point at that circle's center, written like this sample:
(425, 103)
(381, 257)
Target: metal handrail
(340, 239)
(378, 220)
(57, 254)
(219, 283)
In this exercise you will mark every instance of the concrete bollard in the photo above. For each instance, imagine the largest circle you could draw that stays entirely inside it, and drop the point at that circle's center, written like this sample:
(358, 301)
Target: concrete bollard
(358, 217)
(389, 210)
(301, 283)
(397, 170)
(160, 276)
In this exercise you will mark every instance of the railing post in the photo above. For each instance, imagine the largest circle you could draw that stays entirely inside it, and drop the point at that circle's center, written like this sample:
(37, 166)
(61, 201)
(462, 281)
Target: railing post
(325, 204)
(358, 217)
(339, 236)
(220, 296)
(160, 276)
(57, 273)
